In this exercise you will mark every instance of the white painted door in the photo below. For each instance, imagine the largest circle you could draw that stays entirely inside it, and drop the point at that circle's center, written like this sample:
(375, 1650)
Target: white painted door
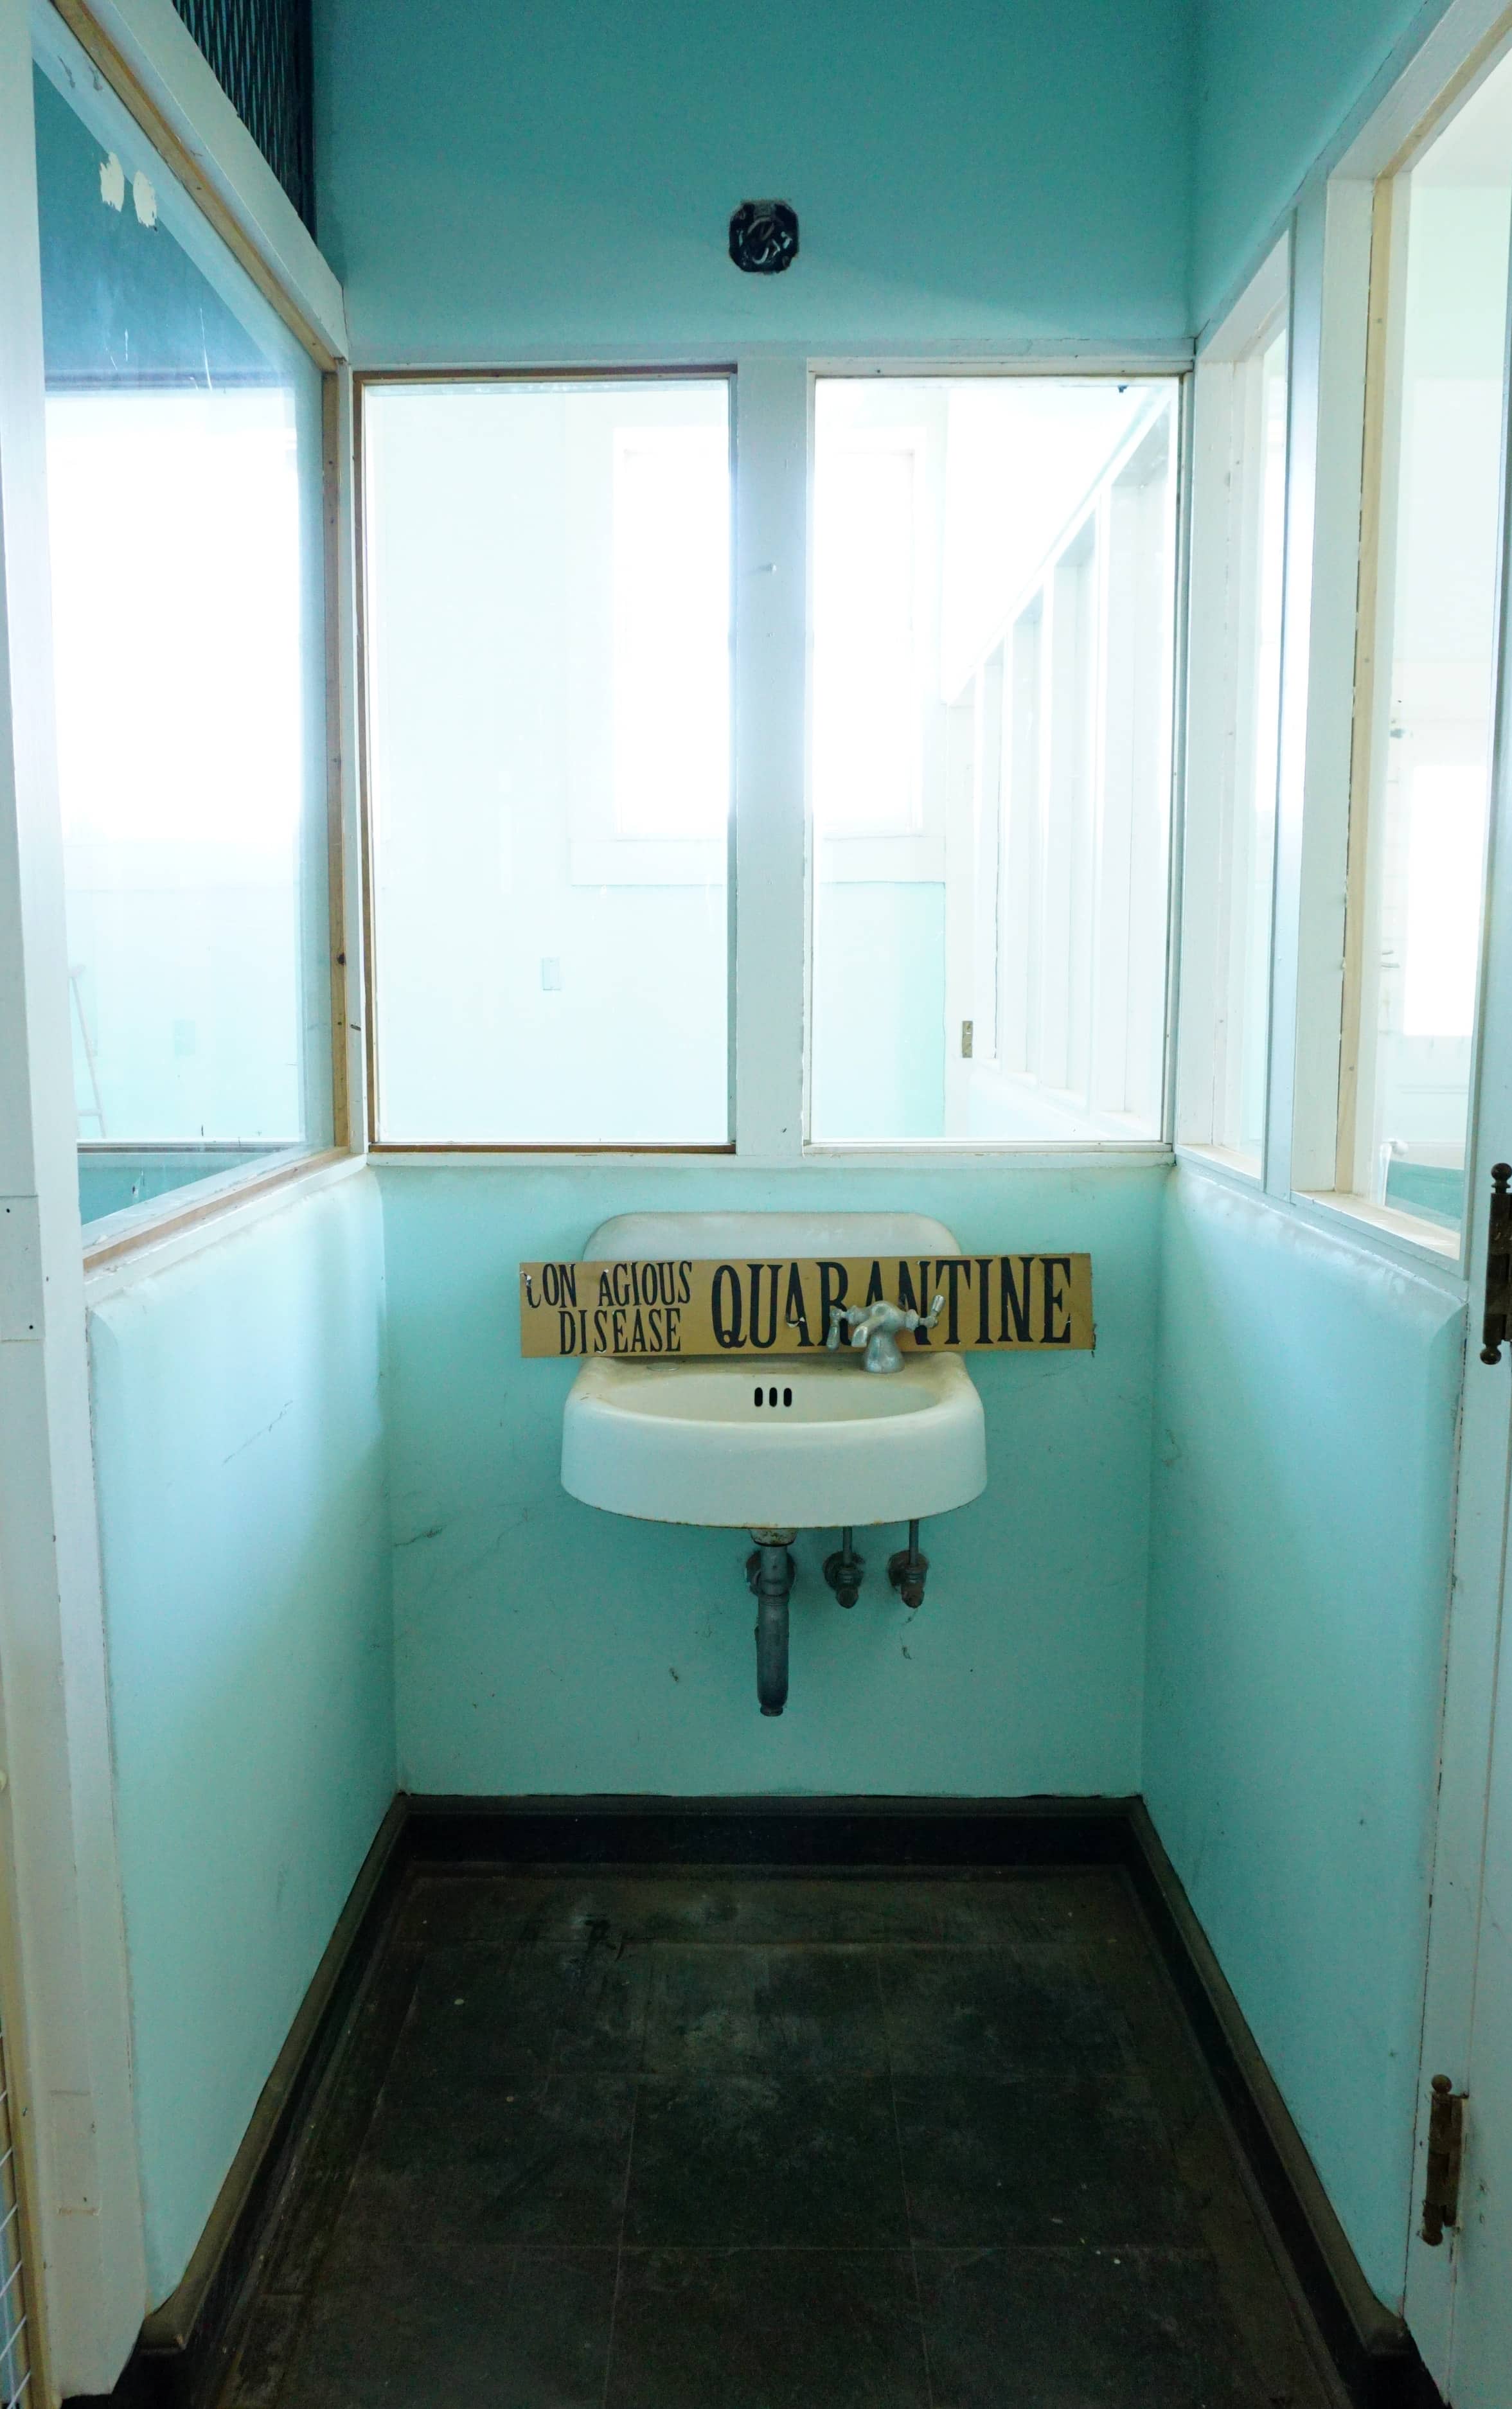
(1480, 2371)
(1459, 2295)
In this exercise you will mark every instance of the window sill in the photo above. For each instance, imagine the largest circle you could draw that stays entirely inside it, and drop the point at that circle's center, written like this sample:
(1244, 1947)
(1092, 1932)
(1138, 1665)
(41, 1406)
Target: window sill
(648, 862)
(1227, 1159)
(509, 1151)
(1440, 1246)
(922, 1154)
(1353, 1220)
(1024, 1153)
(861, 860)
(145, 1236)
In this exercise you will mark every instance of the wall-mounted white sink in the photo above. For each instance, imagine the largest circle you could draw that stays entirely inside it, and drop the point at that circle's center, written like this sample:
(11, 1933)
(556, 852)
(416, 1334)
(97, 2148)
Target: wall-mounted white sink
(796, 1443)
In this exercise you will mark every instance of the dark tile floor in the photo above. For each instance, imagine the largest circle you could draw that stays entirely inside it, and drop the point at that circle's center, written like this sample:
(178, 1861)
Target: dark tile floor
(753, 2141)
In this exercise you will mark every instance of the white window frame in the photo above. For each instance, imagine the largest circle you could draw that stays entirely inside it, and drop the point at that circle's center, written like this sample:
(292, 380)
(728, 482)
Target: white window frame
(1327, 523)
(1329, 227)
(141, 52)
(772, 427)
(599, 855)
(1220, 496)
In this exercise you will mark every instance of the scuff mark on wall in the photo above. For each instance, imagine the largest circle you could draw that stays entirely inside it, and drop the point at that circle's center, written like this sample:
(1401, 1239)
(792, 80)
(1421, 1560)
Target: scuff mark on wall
(258, 1434)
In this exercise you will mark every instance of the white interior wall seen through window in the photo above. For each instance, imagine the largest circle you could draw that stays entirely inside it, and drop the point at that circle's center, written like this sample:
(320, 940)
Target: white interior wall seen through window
(184, 503)
(994, 611)
(547, 614)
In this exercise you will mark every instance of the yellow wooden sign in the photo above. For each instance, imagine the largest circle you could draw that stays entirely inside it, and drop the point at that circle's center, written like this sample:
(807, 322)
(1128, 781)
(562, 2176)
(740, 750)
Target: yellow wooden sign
(784, 1307)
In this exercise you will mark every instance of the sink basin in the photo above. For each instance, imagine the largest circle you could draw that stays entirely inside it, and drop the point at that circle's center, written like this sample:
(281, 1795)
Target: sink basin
(687, 1442)
(791, 1443)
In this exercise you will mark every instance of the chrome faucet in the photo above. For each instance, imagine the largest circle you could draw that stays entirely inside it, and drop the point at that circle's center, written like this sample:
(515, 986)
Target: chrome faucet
(875, 1327)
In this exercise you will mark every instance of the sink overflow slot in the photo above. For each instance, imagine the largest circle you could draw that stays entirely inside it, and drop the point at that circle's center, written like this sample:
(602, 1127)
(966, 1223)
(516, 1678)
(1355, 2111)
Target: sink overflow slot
(769, 1397)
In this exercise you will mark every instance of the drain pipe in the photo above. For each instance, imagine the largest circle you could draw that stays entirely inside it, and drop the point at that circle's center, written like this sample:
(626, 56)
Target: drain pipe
(908, 1570)
(844, 1569)
(769, 1572)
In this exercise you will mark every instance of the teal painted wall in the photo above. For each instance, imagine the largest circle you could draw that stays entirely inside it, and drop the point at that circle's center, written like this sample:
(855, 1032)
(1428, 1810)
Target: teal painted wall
(239, 1447)
(543, 1646)
(1305, 1420)
(540, 183)
(1274, 81)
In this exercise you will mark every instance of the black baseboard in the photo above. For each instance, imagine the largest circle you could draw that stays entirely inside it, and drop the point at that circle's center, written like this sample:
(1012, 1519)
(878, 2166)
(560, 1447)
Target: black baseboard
(186, 2347)
(787, 1832)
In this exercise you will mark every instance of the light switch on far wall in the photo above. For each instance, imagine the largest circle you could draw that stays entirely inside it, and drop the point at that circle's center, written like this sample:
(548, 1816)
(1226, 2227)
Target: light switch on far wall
(551, 972)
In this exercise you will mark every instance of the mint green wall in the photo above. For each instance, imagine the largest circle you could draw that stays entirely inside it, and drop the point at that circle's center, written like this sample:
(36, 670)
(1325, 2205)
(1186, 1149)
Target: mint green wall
(239, 1449)
(1304, 1419)
(507, 181)
(1274, 81)
(544, 1646)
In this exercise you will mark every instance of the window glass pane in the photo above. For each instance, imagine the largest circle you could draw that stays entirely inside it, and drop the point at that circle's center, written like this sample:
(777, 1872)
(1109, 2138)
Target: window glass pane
(866, 637)
(994, 611)
(547, 612)
(1427, 740)
(671, 556)
(184, 467)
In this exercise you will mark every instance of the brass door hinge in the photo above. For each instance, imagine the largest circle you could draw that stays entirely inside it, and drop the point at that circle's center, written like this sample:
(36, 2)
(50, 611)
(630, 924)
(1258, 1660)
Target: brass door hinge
(1495, 1330)
(1446, 2149)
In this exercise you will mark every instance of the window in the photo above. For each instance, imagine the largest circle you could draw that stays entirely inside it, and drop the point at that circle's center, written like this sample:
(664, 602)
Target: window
(547, 589)
(1238, 546)
(993, 598)
(1425, 664)
(184, 504)
(954, 611)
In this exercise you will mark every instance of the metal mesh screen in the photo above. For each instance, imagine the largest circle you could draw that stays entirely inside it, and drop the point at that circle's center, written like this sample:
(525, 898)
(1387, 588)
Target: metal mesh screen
(260, 52)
